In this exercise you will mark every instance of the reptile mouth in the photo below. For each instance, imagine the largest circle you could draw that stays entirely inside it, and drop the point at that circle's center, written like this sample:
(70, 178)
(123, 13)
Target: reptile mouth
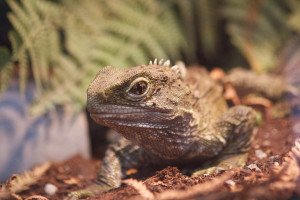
(130, 116)
(116, 121)
(137, 120)
(108, 111)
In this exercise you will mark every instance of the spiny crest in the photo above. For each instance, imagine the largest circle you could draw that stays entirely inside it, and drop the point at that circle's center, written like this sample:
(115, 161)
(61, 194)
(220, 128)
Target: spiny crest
(179, 67)
(161, 62)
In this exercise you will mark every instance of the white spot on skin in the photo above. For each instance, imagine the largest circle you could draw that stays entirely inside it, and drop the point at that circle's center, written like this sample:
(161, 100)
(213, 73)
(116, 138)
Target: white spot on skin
(50, 189)
(208, 137)
(221, 139)
(197, 94)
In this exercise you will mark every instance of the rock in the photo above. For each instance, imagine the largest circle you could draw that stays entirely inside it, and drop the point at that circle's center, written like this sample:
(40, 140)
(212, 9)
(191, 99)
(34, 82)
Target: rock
(260, 154)
(254, 167)
(27, 141)
(50, 189)
(230, 182)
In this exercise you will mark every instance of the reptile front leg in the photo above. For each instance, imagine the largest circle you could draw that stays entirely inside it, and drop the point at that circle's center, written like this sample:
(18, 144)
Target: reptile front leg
(118, 158)
(237, 126)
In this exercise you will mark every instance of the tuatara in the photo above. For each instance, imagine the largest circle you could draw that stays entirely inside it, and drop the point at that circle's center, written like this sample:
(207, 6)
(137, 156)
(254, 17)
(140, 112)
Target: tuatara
(168, 116)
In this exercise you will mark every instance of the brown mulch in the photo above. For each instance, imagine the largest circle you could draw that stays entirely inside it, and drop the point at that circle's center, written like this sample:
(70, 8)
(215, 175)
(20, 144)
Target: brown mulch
(272, 173)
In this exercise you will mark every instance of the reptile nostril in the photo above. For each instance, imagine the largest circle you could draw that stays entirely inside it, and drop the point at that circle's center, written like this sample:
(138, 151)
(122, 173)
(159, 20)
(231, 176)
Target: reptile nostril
(103, 95)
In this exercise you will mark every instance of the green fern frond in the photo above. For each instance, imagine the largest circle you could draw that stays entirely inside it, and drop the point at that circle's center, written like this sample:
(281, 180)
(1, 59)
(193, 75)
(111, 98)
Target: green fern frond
(78, 38)
(207, 11)
(186, 14)
(6, 68)
(257, 29)
(294, 19)
(64, 43)
(4, 57)
(30, 41)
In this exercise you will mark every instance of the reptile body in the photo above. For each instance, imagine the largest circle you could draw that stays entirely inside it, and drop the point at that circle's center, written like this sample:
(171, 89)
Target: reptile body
(167, 116)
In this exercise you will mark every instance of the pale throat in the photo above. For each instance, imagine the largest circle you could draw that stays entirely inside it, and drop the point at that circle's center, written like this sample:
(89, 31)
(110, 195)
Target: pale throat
(169, 140)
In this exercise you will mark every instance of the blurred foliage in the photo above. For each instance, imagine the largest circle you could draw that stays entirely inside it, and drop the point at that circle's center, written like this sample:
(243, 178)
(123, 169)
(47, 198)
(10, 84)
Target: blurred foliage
(294, 19)
(258, 29)
(63, 44)
(66, 43)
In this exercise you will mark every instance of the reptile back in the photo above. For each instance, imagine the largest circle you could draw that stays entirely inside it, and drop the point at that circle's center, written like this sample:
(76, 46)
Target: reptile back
(208, 94)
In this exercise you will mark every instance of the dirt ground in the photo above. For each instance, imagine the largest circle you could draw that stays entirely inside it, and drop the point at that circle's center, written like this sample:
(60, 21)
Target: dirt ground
(271, 173)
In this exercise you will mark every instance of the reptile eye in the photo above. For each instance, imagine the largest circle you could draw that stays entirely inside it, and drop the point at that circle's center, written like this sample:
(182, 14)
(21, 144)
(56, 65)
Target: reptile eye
(138, 88)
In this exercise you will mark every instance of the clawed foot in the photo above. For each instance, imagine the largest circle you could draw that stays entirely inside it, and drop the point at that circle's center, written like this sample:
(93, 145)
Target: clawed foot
(89, 191)
(207, 171)
(225, 162)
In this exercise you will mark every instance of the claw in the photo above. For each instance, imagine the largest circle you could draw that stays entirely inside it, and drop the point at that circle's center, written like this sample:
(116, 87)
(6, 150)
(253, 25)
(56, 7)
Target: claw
(79, 194)
(223, 163)
(208, 171)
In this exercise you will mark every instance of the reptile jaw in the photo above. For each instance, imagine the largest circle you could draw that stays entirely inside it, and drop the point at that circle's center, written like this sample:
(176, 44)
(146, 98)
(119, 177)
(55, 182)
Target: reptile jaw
(126, 116)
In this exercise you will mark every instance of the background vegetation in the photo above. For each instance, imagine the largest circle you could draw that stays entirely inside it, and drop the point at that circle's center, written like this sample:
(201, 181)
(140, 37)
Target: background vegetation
(62, 44)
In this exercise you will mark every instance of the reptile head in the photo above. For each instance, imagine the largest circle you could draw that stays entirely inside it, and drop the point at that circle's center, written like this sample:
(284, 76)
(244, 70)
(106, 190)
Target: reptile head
(147, 104)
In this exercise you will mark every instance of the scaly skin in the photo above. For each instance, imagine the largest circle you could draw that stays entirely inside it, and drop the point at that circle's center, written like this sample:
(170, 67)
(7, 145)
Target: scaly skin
(167, 116)
(268, 85)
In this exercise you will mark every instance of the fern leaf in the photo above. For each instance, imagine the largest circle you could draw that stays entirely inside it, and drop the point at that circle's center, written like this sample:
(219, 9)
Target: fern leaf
(254, 30)
(5, 68)
(294, 18)
(208, 26)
